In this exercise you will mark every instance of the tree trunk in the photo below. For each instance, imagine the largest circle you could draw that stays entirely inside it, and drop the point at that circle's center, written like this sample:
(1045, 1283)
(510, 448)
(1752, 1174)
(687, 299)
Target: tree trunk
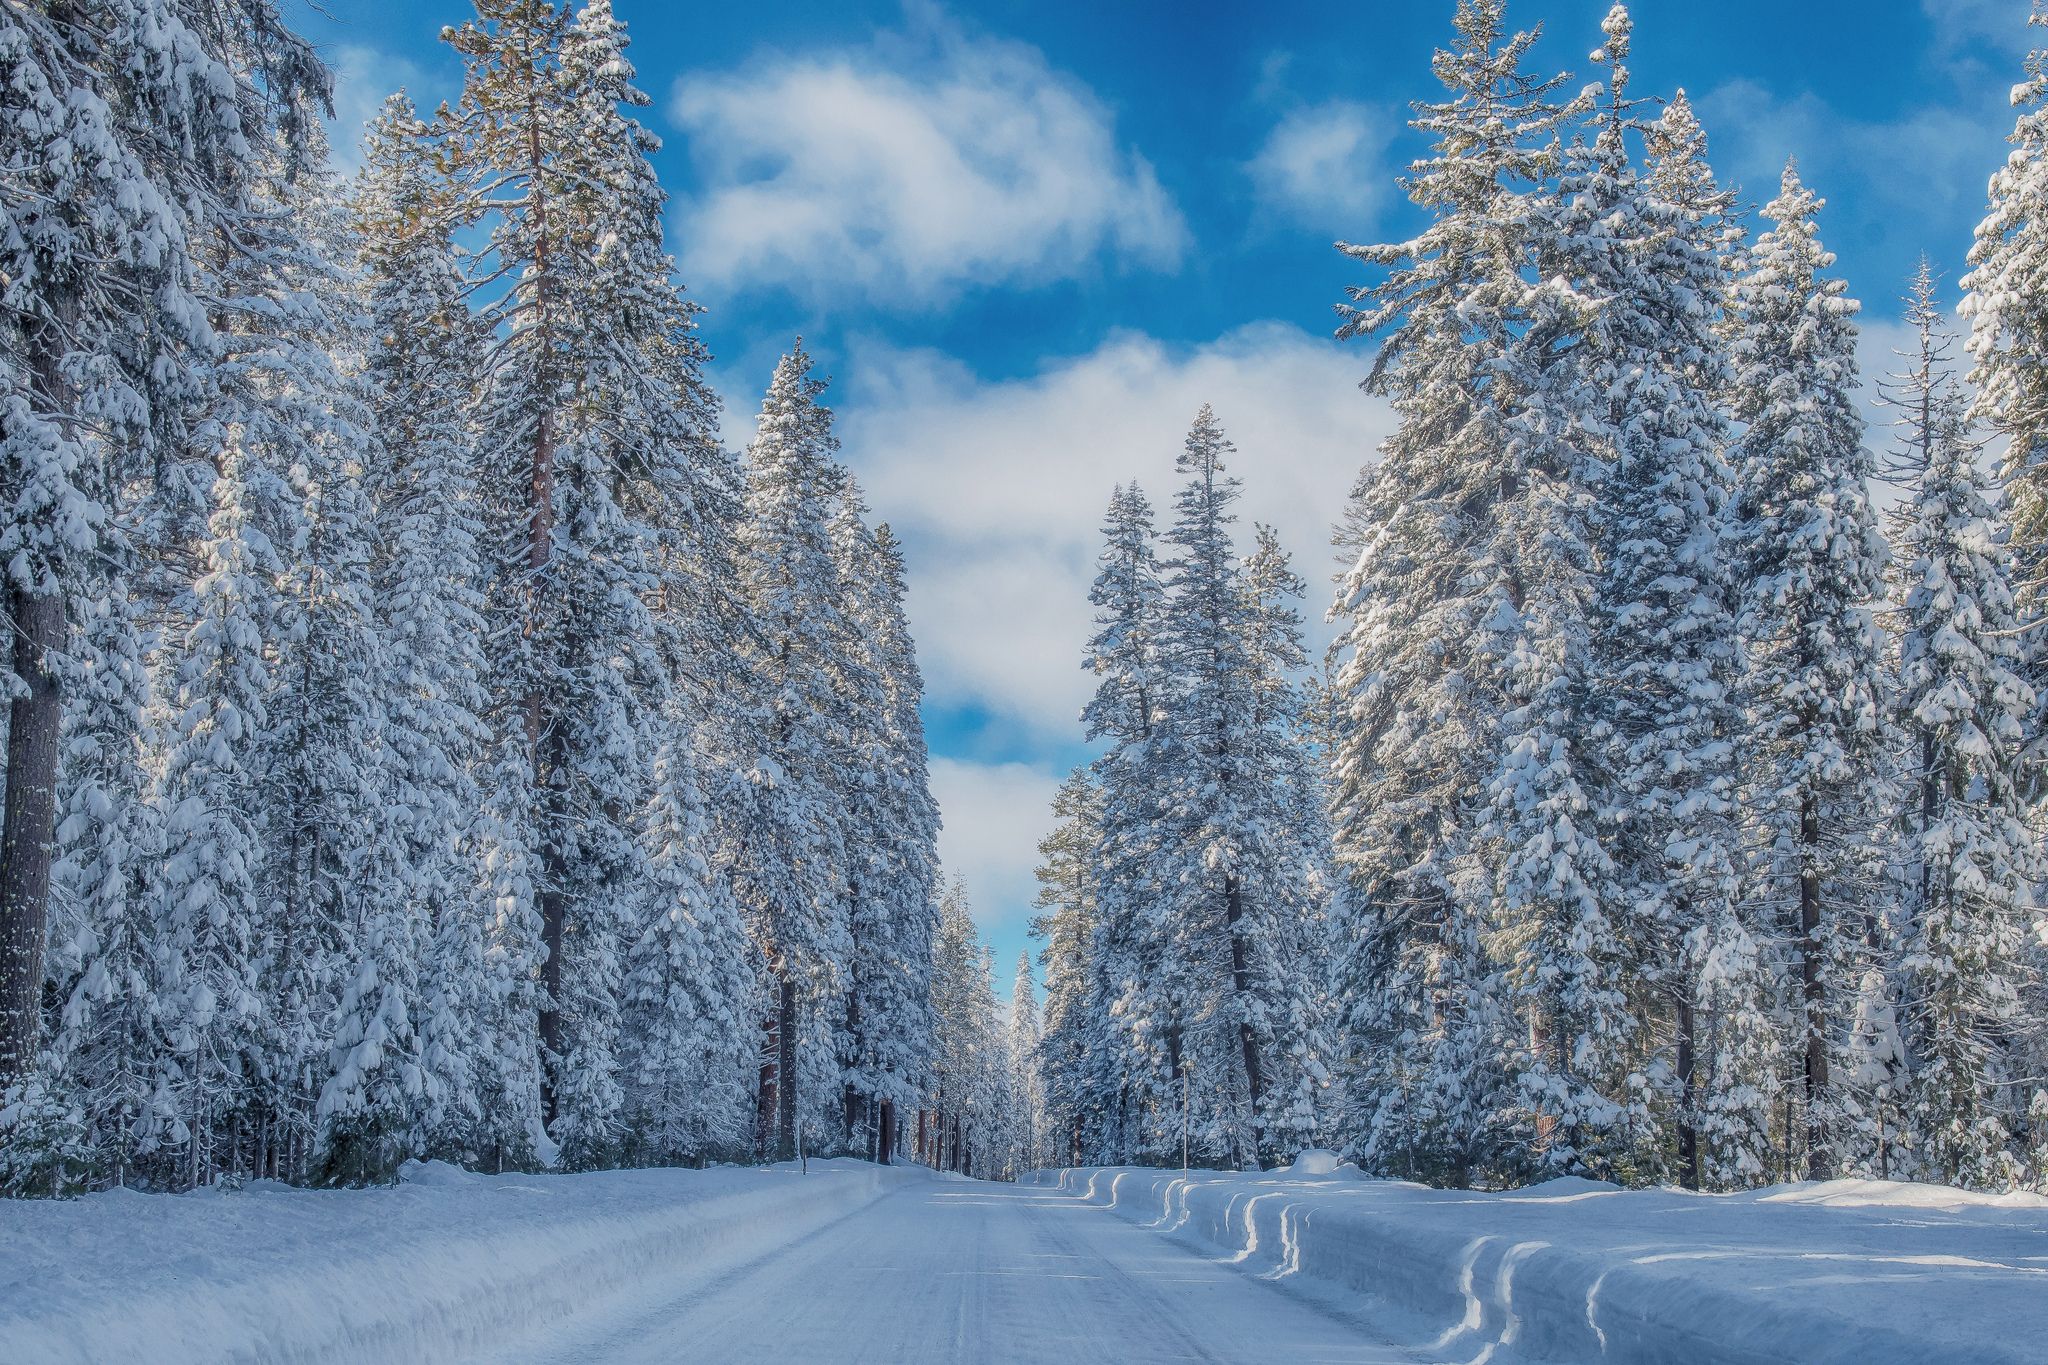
(765, 1097)
(1241, 982)
(1813, 989)
(885, 1141)
(785, 1066)
(30, 827)
(1688, 1097)
(553, 904)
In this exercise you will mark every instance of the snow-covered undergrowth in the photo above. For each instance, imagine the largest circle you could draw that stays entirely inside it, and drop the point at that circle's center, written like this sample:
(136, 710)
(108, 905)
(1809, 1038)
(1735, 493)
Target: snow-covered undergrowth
(1858, 1272)
(444, 1265)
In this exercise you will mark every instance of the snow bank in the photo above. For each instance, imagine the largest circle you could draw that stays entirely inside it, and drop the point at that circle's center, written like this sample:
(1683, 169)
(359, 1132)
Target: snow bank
(444, 1265)
(1860, 1272)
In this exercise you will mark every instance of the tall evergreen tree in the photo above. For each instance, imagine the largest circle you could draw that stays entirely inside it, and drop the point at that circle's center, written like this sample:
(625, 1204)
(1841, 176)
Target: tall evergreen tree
(1961, 707)
(1134, 1060)
(1072, 1034)
(135, 132)
(1423, 1006)
(789, 869)
(1812, 558)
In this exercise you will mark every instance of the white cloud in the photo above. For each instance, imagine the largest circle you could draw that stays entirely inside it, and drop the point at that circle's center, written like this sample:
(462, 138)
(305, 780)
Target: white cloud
(993, 813)
(2001, 23)
(999, 487)
(910, 170)
(1325, 165)
(1929, 162)
(364, 78)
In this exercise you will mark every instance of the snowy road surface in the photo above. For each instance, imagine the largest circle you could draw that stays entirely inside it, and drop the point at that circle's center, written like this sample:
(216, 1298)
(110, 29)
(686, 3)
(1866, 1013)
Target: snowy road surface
(960, 1272)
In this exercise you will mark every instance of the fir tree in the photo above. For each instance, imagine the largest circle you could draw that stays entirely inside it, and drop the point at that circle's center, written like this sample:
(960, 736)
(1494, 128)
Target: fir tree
(1420, 733)
(1961, 706)
(1811, 564)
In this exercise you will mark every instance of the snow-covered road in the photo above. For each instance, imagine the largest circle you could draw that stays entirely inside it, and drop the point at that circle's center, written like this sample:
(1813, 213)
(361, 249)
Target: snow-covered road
(955, 1272)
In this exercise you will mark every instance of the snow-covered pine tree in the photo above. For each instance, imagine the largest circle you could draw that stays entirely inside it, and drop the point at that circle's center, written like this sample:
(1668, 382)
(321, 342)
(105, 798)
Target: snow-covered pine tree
(1289, 769)
(1132, 1061)
(2008, 315)
(1027, 1089)
(132, 129)
(1072, 1034)
(215, 1012)
(510, 1129)
(592, 412)
(787, 871)
(1669, 644)
(970, 1095)
(1552, 926)
(328, 884)
(1648, 252)
(891, 837)
(1220, 929)
(690, 988)
(1811, 560)
(107, 947)
(1961, 708)
(1422, 1005)
(422, 364)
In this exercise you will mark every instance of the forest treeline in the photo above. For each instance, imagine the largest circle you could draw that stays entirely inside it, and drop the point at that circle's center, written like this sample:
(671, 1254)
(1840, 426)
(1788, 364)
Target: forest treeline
(425, 739)
(1667, 811)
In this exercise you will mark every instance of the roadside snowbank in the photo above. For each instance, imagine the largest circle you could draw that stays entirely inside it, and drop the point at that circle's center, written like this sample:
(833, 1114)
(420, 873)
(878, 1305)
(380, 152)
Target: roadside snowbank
(444, 1265)
(1858, 1272)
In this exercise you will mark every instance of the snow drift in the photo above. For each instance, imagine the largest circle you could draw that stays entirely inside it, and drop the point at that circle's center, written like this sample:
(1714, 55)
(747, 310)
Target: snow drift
(1855, 1272)
(446, 1265)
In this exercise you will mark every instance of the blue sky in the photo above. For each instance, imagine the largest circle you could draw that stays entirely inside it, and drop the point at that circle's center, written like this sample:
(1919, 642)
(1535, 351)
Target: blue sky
(1029, 239)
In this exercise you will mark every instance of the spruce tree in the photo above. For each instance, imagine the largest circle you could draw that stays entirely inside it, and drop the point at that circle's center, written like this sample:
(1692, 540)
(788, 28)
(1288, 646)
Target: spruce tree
(1961, 707)
(789, 870)
(1072, 1034)
(1423, 1006)
(1811, 565)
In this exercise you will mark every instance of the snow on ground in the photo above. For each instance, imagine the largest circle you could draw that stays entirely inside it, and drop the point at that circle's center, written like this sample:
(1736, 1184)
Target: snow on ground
(1846, 1271)
(855, 1263)
(446, 1265)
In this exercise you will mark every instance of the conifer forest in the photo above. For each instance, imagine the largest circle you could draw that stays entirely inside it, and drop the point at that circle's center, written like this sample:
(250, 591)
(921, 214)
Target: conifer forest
(442, 735)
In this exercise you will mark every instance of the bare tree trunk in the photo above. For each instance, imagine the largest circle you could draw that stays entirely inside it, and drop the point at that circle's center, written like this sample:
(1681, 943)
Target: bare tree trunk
(1241, 982)
(1813, 989)
(30, 827)
(785, 1065)
(1688, 1094)
(766, 1099)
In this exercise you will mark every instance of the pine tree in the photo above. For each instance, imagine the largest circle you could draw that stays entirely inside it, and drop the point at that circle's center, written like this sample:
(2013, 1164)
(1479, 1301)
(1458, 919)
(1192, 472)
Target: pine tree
(108, 946)
(510, 1130)
(422, 363)
(689, 989)
(1132, 1058)
(1027, 1092)
(1072, 1034)
(1811, 564)
(1423, 1006)
(891, 831)
(215, 1013)
(133, 134)
(788, 871)
(1962, 708)
(2009, 316)
(1663, 667)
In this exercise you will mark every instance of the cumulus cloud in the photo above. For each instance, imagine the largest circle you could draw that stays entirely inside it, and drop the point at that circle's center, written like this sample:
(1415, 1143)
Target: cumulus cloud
(1928, 162)
(999, 487)
(1324, 165)
(993, 812)
(909, 170)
